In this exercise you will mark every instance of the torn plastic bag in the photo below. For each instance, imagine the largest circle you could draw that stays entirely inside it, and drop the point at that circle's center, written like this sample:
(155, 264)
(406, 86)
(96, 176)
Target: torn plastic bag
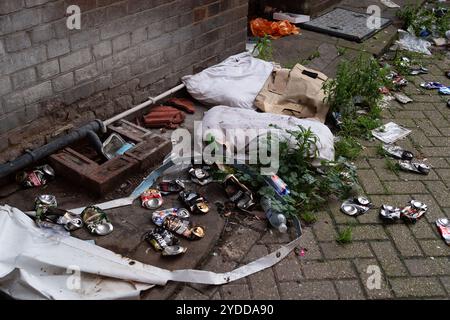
(234, 82)
(37, 264)
(410, 42)
(221, 118)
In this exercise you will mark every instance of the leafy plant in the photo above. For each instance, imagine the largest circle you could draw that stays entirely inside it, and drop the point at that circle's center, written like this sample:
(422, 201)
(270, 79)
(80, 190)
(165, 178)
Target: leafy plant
(308, 217)
(347, 147)
(345, 236)
(380, 150)
(418, 17)
(264, 48)
(356, 83)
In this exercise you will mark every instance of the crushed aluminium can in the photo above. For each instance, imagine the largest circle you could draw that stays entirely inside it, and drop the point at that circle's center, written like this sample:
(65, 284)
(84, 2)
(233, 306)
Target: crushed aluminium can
(238, 193)
(151, 199)
(165, 242)
(96, 221)
(37, 177)
(200, 176)
(183, 228)
(410, 213)
(443, 226)
(195, 202)
(42, 203)
(169, 187)
(398, 152)
(415, 167)
(159, 216)
(356, 207)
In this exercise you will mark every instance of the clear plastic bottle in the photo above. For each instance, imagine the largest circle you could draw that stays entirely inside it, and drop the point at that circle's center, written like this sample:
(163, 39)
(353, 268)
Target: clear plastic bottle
(276, 219)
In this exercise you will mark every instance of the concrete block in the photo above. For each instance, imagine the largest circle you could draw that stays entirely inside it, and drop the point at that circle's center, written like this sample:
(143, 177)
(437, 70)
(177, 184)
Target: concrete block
(24, 78)
(75, 59)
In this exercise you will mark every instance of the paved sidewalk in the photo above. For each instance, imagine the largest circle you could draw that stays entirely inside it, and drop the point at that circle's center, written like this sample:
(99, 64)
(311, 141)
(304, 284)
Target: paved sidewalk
(413, 259)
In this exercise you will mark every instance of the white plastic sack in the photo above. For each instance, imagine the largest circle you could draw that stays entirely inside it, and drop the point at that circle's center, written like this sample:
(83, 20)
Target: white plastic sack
(234, 82)
(224, 118)
(410, 42)
(38, 264)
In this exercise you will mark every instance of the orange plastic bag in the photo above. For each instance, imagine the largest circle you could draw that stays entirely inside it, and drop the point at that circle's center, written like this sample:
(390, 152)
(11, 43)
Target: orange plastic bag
(261, 27)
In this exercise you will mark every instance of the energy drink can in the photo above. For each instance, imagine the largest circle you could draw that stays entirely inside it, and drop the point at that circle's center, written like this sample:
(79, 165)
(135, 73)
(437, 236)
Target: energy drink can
(151, 199)
(159, 216)
(37, 177)
(165, 242)
(183, 228)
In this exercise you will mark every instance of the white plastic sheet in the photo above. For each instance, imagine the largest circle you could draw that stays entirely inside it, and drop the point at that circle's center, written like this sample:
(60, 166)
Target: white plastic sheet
(234, 82)
(38, 264)
(408, 41)
(223, 118)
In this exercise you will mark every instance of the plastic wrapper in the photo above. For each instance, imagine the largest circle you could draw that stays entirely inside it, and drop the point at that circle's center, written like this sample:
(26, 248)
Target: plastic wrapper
(261, 27)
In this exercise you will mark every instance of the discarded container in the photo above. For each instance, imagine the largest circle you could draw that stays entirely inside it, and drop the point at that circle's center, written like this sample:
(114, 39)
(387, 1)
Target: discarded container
(356, 207)
(96, 221)
(445, 91)
(115, 146)
(417, 71)
(276, 219)
(159, 216)
(402, 98)
(398, 152)
(164, 241)
(411, 213)
(37, 177)
(390, 132)
(151, 199)
(200, 176)
(415, 167)
(70, 221)
(169, 187)
(183, 228)
(432, 85)
(42, 203)
(195, 202)
(279, 185)
(238, 193)
(443, 226)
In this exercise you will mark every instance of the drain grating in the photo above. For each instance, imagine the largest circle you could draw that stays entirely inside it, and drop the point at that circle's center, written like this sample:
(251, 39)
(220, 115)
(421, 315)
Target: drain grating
(345, 24)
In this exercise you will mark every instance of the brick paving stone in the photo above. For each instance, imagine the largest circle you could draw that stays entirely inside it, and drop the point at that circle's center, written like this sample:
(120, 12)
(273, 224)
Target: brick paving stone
(263, 285)
(256, 252)
(412, 177)
(404, 240)
(366, 268)
(436, 151)
(324, 228)
(333, 250)
(388, 257)
(368, 232)
(446, 283)
(370, 182)
(417, 287)
(314, 290)
(405, 187)
(349, 290)
(419, 138)
(441, 141)
(289, 269)
(428, 128)
(428, 266)
(337, 269)
(309, 243)
(409, 115)
(435, 248)
(335, 211)
(272, 236)
(362, 163)
(238, 243)
(188, 293)
(235, 292)
(380, 167)
(423, 230)
(438, 163)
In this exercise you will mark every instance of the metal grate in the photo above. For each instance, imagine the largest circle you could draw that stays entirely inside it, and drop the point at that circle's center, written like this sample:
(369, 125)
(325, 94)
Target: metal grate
(345, 24)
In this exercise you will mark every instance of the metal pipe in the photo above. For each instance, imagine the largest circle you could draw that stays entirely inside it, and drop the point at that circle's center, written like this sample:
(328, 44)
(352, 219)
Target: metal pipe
(85, 131)
(150, 101)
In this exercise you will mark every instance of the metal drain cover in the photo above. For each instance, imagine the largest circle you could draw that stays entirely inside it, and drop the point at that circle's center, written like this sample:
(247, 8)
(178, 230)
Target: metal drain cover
(345, 24)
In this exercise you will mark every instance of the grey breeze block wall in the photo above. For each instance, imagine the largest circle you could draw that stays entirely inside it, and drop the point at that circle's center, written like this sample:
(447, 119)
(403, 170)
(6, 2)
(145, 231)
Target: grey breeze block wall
(53, 78)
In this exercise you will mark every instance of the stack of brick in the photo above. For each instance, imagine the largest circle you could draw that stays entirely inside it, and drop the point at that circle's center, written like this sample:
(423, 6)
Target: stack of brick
(125, 51)
(169, 116)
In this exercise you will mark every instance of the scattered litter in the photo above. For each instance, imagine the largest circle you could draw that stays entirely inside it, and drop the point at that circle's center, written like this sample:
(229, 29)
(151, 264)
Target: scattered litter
(159, 216)
(195, 202)
(386, 101)
(402, 98)
(443, 226)
(165, 242)
(411, 213)
(238, 193)
(415, 167)
(412, 43)
(170, 187)
(151, 199)
(115, 146)
(291, 17)
(183, 228)
(390, 133)
(445, 91)
(432, 85)
(439, 42)
(37, 177)
(398, 152)
(96, 221)
(276, 218)
(200, 176)
(398, 80)
(417, 71)
(390, 4)
(261, 27)
(357, 206)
